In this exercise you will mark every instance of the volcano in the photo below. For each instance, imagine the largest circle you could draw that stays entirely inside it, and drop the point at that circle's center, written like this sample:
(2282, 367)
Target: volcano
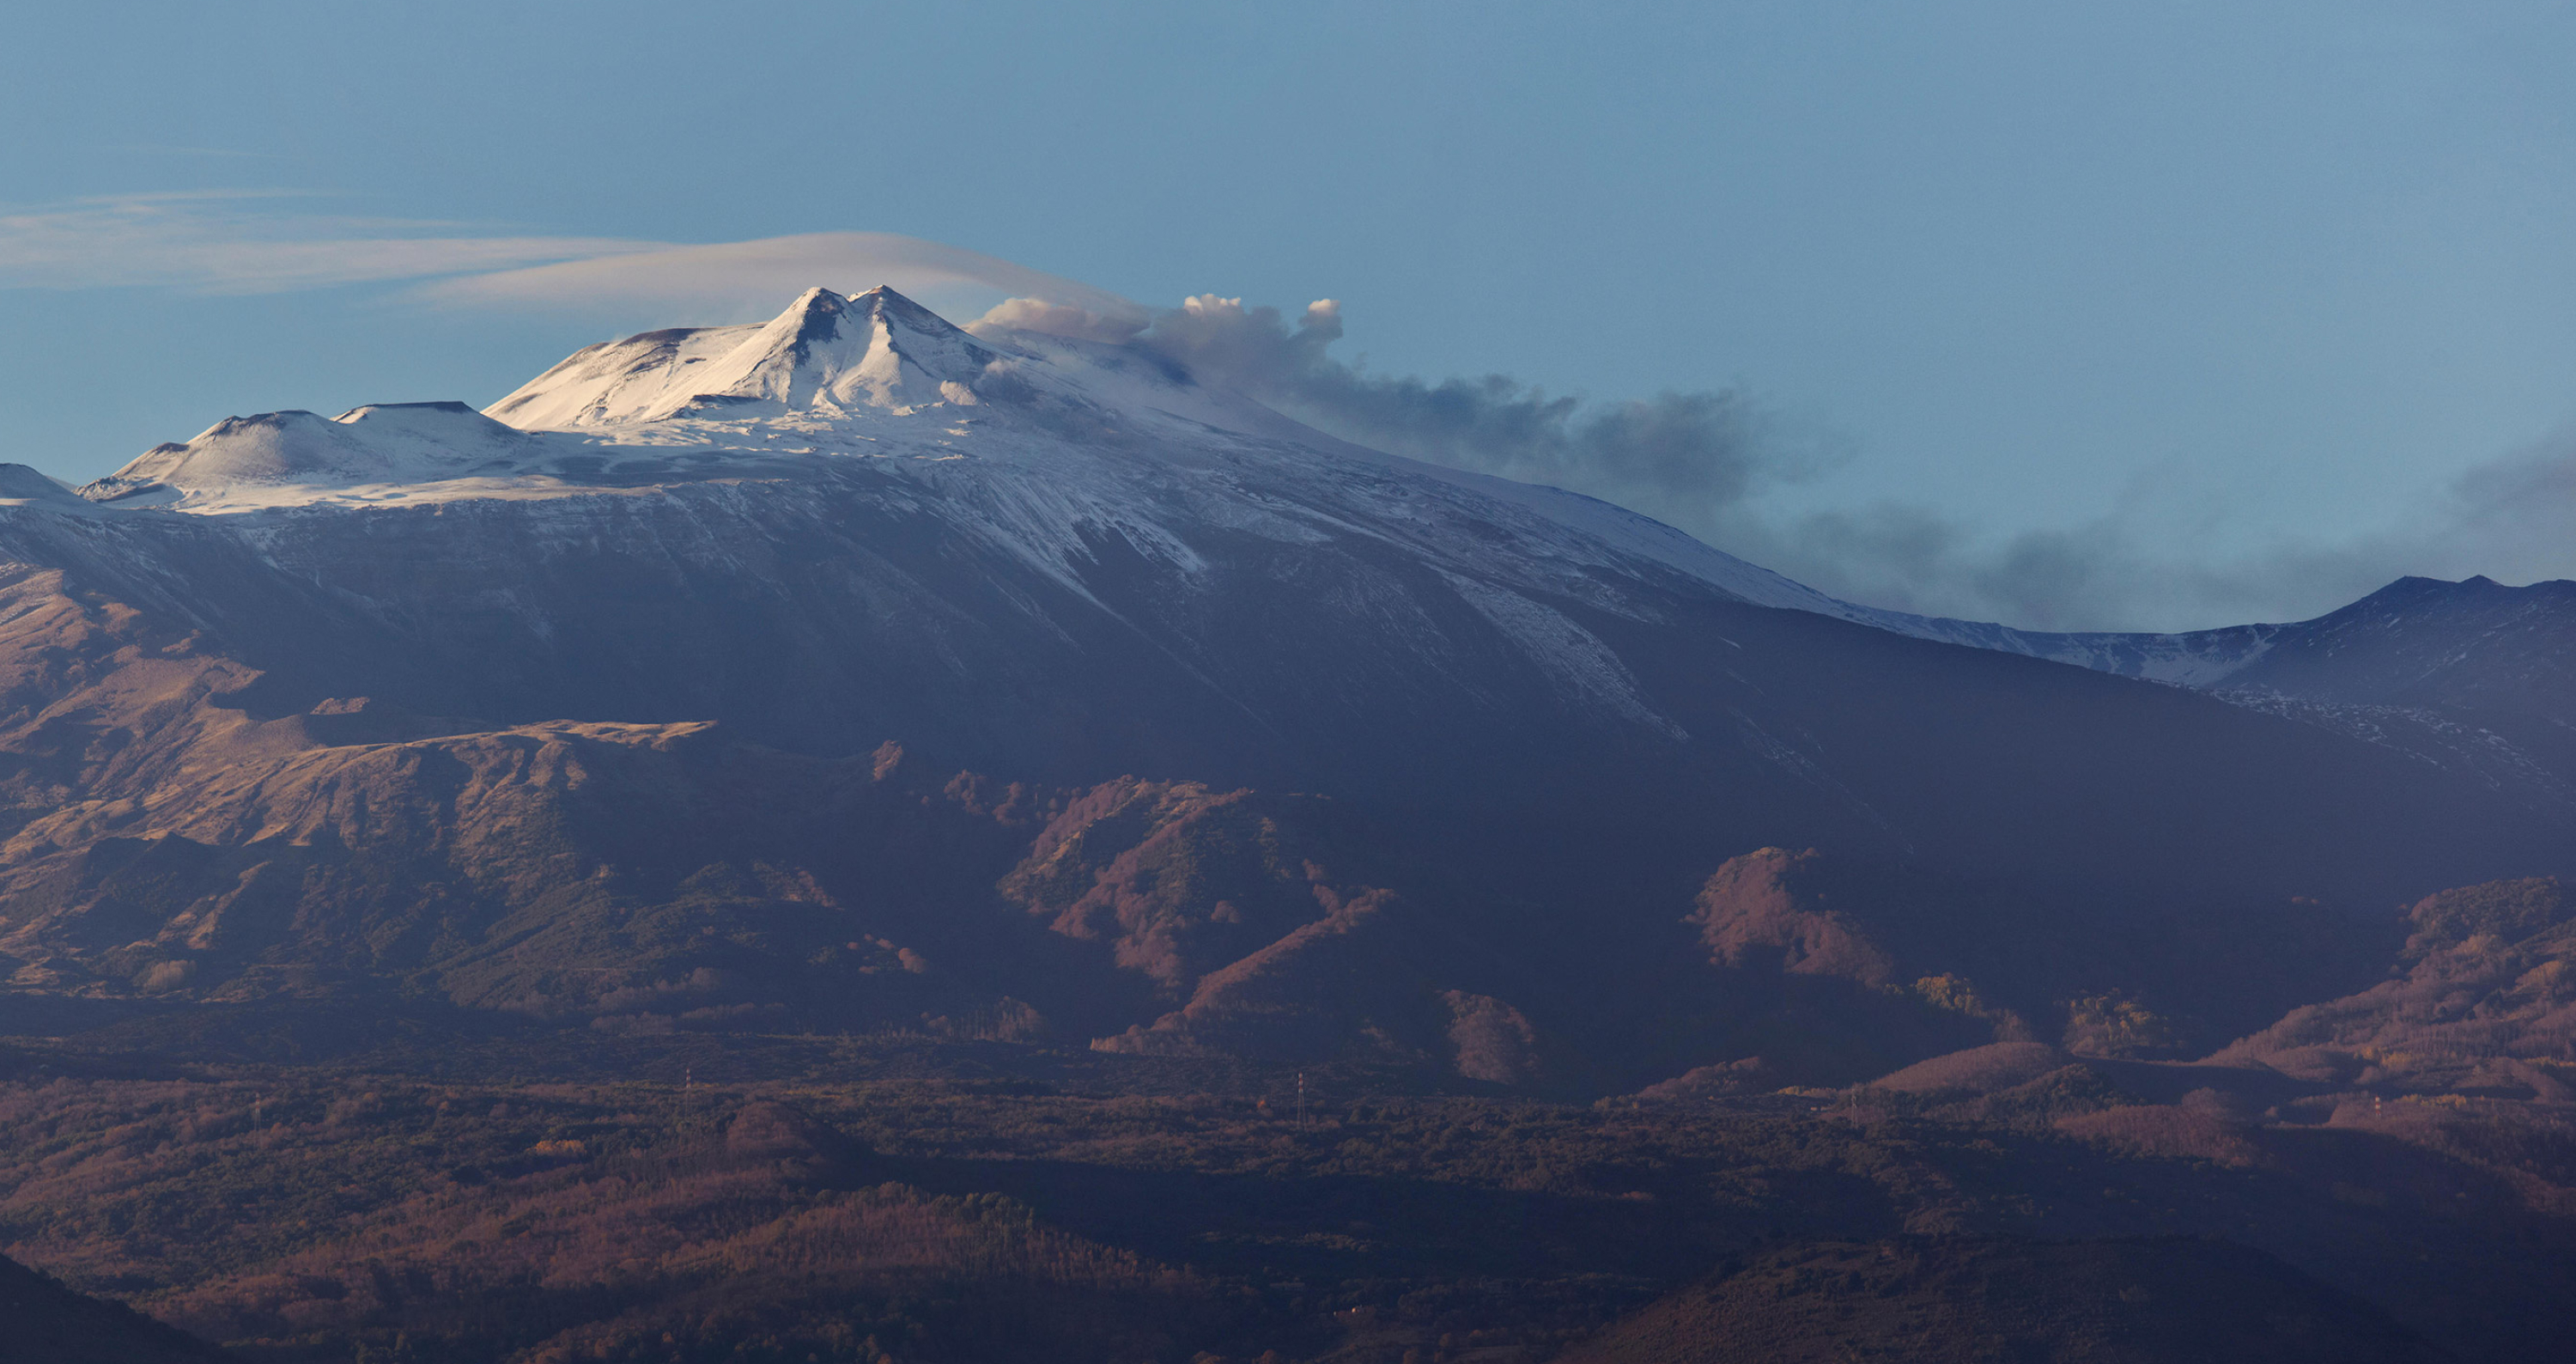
(853, 666)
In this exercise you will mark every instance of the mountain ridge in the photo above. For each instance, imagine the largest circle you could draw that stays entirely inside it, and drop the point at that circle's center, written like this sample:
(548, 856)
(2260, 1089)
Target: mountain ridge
(2470, 675)
(261, 692)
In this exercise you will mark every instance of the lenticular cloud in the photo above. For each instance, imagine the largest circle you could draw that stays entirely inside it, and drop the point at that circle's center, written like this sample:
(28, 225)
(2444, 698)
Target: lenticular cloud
(240, 242)
(746, 279)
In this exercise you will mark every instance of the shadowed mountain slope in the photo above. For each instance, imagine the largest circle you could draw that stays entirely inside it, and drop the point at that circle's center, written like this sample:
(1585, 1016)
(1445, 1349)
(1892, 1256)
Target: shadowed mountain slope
(585, 720)
(2474, 676)
(43, 1322)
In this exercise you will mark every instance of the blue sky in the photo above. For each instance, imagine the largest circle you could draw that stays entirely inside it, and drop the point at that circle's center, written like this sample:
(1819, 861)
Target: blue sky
(2112, 315)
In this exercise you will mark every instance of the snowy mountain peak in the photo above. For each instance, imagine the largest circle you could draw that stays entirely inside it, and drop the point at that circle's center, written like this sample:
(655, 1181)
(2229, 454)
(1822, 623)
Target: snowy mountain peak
(20, 484)
(380, 443)
(1040, 445)
(826, 352)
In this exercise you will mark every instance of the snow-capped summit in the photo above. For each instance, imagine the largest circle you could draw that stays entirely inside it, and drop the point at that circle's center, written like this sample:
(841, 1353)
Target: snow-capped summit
(21, 485)
(1037, 446)
(279, 456)
(826, 352)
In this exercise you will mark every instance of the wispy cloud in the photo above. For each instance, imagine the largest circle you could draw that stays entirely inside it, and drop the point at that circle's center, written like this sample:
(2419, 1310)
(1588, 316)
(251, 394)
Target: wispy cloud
(271, 241)
(1711, 461)
(1681, 456)
(158, 149)
(251, 242)
(2512, 518)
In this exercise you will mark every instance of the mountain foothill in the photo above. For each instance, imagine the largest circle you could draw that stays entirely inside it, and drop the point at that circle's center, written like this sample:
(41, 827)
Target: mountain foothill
(1151, 797)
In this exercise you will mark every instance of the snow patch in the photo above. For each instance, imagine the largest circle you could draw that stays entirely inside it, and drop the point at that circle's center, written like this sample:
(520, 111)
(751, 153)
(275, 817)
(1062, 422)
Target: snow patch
(1582, 667)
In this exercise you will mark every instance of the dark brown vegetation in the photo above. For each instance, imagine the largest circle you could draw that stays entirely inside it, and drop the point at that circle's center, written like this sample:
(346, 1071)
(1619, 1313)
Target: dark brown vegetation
(1933, 1300)
(840, 1212)
(2481, 1002)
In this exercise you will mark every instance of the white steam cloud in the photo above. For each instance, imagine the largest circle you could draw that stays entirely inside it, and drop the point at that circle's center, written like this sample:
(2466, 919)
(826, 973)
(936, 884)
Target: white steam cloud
(1058, 319)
